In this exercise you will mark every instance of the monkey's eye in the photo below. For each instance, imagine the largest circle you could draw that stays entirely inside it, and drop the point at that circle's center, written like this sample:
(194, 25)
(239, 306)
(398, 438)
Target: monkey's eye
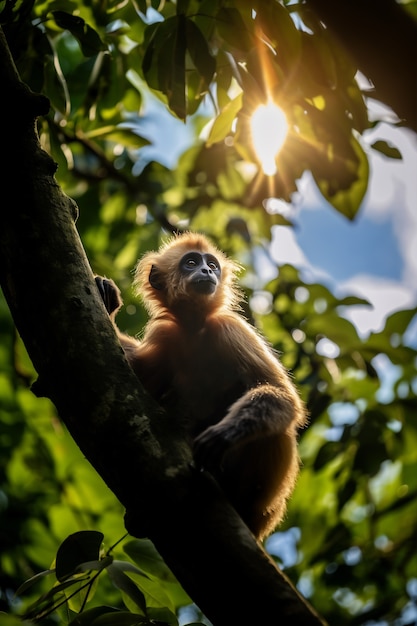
(213, 263)
(190, 263)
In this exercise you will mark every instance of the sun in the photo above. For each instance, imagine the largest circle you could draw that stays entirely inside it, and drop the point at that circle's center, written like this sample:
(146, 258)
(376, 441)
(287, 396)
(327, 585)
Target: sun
(269, 129)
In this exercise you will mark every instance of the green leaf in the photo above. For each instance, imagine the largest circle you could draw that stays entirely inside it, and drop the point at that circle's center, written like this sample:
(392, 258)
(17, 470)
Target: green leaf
(399, 321)
(155, 594)
(119, 134)
(127, 586)
(357, 107)
(346, 492)
(47, 601)
(233, 29)
(223, 123)
(335, 328)
(126, 566)
(108, 616)
(151, 35)
(276, 23)
(348, 200)
(164, 61)
(196, 90)
(353, 301)
(387, 148)
(55, 86)
(144, 554)
(318, 61)
(13, 620)
(121, 618)
(162, 615)
(171, 66)
(337, 539)
(77, 549)
(96, 564)
(372, 451)
(33, 580)
(199, 52)
(87, 37)
(327, 453)
(389, 340)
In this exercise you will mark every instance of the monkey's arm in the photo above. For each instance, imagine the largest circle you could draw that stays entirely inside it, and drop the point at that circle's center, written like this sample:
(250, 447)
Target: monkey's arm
(113, 302)
(258, 364)
(263, 412)
(149, 359)
(270, 408)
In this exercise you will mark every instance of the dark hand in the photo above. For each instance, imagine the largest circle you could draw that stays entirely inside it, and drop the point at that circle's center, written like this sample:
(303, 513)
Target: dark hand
(210, 447)
(110, 294)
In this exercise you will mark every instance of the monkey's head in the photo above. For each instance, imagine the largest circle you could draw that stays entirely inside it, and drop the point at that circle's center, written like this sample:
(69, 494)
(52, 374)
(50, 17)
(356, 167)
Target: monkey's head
(187, 271)
(200, 272)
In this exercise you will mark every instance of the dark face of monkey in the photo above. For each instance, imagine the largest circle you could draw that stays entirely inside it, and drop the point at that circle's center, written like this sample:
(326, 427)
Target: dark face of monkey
(201, 271)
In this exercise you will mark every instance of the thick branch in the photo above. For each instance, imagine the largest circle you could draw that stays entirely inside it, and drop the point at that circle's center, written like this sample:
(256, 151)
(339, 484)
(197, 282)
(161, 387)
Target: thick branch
(138, 452)
(382, 38)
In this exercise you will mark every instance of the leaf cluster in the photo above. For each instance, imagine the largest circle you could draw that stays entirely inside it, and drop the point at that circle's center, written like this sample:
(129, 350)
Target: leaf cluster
(358, 452)
(150, 592)
(97, 62)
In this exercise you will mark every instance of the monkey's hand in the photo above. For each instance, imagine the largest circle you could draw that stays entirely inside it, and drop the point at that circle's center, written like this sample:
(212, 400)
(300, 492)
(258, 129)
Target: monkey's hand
(110, 294)
(211, 446)
(237, 428)
(263, 411)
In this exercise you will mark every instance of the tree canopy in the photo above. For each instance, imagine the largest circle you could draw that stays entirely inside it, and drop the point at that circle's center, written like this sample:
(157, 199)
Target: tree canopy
(110, 70)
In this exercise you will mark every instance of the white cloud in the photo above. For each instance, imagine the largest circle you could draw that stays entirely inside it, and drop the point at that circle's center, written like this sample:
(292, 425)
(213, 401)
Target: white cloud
(393, 193)
(385, 297)
(285, 249)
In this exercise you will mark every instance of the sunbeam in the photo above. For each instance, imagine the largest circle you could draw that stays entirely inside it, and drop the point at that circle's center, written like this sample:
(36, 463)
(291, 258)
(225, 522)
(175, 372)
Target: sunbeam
(269, 129)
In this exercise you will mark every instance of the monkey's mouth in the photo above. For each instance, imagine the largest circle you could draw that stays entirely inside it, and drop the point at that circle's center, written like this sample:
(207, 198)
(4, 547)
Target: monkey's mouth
(205, 286)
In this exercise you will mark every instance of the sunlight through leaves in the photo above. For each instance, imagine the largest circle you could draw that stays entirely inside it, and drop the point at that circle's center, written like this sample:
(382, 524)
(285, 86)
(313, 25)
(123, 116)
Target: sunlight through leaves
(269, 129)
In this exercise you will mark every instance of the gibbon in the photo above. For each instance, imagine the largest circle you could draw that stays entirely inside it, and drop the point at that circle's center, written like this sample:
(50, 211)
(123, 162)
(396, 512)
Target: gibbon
(202, 360)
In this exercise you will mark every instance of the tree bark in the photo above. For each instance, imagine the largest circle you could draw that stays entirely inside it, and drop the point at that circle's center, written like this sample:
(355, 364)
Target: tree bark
(382, 39)
(133, 445)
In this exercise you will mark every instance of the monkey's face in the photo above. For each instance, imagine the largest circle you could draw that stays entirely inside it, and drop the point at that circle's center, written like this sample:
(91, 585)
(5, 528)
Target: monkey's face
(201, 272)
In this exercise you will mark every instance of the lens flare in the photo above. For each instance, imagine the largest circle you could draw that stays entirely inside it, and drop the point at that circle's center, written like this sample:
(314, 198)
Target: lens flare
(269, 129)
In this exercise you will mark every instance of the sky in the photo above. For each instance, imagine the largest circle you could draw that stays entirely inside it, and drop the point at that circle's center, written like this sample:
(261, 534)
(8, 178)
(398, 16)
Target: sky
(375, 256)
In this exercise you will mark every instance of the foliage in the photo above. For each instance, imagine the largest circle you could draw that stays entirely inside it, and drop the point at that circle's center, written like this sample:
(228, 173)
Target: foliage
(348, 536)
(94, 64)
(150, 592)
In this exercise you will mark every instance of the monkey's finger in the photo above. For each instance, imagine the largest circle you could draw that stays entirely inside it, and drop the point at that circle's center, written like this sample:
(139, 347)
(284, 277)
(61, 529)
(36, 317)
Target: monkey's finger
(209, 449)
(109, 293)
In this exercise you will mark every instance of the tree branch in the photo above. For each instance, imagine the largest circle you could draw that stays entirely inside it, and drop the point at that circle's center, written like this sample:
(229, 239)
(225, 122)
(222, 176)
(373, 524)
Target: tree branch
(135, 447)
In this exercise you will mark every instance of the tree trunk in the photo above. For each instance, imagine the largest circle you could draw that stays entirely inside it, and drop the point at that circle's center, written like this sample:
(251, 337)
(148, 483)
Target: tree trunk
(133, 445)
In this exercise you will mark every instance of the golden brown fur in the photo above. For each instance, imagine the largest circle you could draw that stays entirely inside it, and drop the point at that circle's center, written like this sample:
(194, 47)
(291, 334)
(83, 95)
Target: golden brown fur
(199, 357)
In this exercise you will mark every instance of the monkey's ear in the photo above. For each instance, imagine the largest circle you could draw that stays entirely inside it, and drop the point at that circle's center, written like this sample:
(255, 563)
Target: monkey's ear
(155, 278)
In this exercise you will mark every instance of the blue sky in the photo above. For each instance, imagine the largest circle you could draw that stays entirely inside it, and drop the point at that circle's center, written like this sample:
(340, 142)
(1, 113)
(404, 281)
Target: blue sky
(376, 255)
(349, 248)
